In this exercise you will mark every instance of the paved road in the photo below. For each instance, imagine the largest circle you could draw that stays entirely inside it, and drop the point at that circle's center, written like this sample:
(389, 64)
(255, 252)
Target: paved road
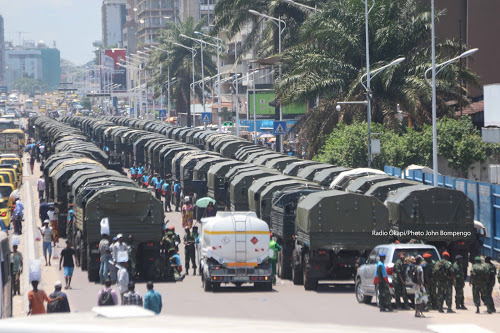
(331, 303)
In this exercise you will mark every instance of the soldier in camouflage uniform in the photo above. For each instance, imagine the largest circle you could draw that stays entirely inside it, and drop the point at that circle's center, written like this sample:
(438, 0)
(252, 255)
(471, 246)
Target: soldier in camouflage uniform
(459, 274)
(479, 281)
(444, 281)
(132, 257)
(492, 272)
(430, 282)
(382, 282)
(399, 282)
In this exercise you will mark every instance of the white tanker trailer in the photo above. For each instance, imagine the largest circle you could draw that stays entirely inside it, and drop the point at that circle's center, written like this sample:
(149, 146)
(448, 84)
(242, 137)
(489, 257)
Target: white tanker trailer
(234, 248)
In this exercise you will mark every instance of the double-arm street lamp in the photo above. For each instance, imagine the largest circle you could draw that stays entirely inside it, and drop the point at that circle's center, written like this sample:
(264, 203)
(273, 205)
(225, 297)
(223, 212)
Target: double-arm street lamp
(302, 6)
(168, 80)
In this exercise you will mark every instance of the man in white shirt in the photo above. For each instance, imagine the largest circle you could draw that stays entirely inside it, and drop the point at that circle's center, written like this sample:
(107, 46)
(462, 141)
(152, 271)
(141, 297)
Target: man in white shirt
(40, 185)
(122, 278)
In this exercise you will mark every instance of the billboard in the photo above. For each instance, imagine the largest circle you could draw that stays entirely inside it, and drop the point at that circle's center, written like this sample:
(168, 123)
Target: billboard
(113, 77)
(264, 110)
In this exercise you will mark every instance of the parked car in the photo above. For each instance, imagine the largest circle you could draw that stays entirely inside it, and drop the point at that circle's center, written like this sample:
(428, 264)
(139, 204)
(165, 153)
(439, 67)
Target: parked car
(365, 289)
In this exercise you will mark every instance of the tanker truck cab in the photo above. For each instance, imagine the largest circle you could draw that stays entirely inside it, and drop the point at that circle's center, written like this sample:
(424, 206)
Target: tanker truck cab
(234, 248)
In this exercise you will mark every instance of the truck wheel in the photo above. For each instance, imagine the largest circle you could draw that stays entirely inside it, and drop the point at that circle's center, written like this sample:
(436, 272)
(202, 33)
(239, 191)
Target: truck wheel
(83, 256)
(285, 265)
(278, 265)
(297, 276)
(360, 295)
(207, 286)
(309, 282)
(267, 286)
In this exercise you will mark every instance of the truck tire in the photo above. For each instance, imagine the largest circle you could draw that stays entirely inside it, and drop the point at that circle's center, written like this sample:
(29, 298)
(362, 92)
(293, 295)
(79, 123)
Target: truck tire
(83, 256)
(92, 274)
(360, 296)
(297, 276)
(207, 286)
(309, 282)
(278, 265)
(285, 265)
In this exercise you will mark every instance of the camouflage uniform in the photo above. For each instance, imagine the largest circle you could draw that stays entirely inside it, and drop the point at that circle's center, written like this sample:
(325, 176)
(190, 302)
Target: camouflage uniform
(384, 292)
(430, 283)
(443, 275)
(492, 272)
(399, 274)
(458, 271)
(132, 259)
(478, 276)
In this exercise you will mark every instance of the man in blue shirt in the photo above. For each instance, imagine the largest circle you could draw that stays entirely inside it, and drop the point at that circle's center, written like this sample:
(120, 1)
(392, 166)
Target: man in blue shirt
(158, 183)
(18, 217)
(177, 193)
(140, 171)
(145, 180)
(152, 299)
(70, 223)
(166, 193)
(133, 172)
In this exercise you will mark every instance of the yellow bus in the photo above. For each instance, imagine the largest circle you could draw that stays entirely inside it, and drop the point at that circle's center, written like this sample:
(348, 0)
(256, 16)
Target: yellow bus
(20, 135)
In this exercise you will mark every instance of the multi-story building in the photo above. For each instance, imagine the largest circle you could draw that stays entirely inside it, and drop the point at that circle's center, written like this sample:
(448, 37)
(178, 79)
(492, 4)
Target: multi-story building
(51, 67)
(2, 52)
(23, 63)
(113, 14)
(129, 33)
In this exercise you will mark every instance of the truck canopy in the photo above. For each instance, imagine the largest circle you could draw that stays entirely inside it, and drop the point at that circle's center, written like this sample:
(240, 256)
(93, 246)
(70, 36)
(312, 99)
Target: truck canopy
(429, 208)
(326, 176)
(382, 190)
(258, 186)
(342, 180)
(310, 171)
(281, 163)
(341, 221)
(363, 184)
(293, 168)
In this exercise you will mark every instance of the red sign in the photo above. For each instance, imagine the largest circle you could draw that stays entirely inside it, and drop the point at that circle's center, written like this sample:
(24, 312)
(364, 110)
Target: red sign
(254, 240)
(113, 76)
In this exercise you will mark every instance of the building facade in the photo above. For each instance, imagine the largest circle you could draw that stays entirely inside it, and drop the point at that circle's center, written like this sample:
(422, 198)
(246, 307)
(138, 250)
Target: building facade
(51, 67)
(113, 14)
(2, 52)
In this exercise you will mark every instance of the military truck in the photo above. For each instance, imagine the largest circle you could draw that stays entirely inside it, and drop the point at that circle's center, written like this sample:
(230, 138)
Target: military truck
(333, 230)
(326, 176)
(259, 185)
(130, 211)
(215, 181)
(294, 168)
(282, 220)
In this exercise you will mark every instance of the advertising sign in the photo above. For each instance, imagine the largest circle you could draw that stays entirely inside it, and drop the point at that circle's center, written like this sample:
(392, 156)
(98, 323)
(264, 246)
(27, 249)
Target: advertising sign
(264, 110)
(113, 77)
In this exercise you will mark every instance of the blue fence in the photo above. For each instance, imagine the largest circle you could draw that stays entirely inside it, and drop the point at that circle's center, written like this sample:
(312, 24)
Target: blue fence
(486, 198)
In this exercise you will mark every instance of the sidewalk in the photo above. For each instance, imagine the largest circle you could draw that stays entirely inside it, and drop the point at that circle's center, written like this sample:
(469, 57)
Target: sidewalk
(30, 248)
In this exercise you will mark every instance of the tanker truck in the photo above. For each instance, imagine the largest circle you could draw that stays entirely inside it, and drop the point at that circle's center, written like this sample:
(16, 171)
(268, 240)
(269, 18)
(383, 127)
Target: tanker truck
(234, 248)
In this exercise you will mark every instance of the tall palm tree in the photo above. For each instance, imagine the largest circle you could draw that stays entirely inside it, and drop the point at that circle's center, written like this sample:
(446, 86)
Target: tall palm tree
(334, 64)
(180, 62)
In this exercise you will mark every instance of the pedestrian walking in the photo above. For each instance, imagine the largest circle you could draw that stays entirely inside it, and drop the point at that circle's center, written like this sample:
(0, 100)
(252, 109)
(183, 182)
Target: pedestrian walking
(58, 301)
(145, 180)
(492, 272)
(177, 195)
(47, 237)
(51, 213)
(70, 222)
(131, 297)
(36, 299)
(17, 269)
(107, 296)
(187, 213)
(420, 293)
(122, 278)
(444, 282)
(32, 163)
(67, 262)
(210, 210)
(458, 272)
(479, 282)
(43, 210)
(166, 194)
(430, 283)
(133, 172)
(382, 282)
(275, 247)
(40, 185)
(18, 215)
(152, 299)
(176, 265)
(105, 252)
(189, 251)
(399, 282)
(132, 257)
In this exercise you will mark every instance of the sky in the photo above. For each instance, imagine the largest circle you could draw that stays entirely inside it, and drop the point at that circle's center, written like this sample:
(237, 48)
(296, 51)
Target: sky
(72, 24)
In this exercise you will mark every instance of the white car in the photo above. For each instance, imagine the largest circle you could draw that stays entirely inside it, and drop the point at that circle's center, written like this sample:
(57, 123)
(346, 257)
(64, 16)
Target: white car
(365, 289)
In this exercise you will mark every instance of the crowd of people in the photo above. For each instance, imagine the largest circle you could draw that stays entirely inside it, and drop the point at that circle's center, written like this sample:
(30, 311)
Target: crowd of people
(433, 283)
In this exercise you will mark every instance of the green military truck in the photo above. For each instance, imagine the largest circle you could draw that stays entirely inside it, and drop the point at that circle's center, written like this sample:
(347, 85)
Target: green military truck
(333, 230)
(131, 211)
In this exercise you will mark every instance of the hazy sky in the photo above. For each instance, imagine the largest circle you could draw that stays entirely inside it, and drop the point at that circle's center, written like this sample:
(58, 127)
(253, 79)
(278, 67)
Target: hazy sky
(72, 24)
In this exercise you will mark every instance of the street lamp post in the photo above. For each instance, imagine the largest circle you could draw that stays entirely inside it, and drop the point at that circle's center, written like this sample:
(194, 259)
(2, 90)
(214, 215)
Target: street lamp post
(219, 48)
(432, 83)
(302, 6)
(193, 53)
(278, 21)
(168, 78)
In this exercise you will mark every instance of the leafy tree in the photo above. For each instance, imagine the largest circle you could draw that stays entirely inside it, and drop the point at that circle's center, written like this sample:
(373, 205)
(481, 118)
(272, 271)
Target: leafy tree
(180, 63)
(29, 85)
(330, 60)
(86, 103)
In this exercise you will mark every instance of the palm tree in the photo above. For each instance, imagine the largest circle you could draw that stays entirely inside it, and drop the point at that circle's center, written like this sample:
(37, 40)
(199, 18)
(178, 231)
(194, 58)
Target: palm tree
(333, 65)
(180, 62)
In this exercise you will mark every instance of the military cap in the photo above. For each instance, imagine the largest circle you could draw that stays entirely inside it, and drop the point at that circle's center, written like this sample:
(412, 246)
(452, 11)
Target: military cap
(478, 258)
(445, 253)
(427, 255)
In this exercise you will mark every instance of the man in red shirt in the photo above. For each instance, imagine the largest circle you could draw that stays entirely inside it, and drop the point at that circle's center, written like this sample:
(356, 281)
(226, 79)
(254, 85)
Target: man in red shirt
(36, 298)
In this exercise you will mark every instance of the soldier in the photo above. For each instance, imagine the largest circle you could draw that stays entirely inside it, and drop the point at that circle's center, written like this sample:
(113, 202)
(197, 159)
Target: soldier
(430, 282)
(458, 271)
(479, 281)
(399, 282)
(444, 281)
(275, 247)
(382, 281)
(132, 257)
(492, 272)
(189, 251)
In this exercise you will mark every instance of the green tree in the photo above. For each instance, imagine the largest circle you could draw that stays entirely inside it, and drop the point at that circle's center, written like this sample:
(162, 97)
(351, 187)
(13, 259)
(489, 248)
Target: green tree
(180, 63)
(29, 85)
(86, 103)
(330, 60)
